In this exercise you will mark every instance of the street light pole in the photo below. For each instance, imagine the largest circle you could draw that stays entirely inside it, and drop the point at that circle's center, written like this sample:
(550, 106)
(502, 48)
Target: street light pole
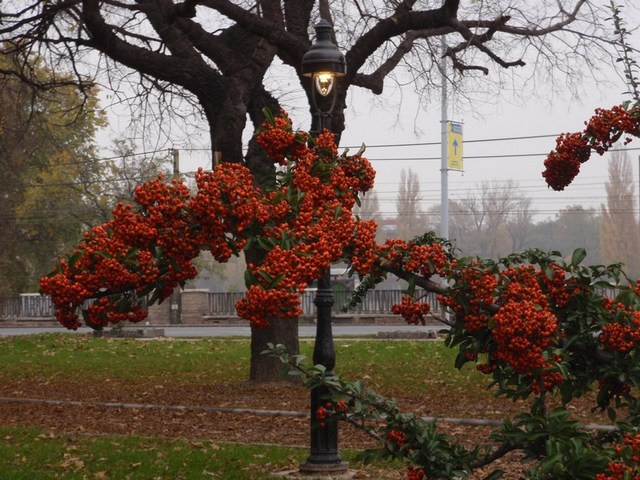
(323, 63)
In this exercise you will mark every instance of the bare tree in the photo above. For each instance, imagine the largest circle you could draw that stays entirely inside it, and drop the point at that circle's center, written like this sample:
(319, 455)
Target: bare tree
(213, 54)
(519, 223)
(619, 239)
(369, 209)
(492, 222)
(411, 219)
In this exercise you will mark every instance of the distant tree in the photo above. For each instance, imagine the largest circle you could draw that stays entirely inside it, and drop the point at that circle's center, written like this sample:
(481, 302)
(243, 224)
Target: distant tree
(122, 173)
(573, 227)
(519, 223)
(46, 147)
(411, 220)
(619, 240)
(369, 209)
(494, 221)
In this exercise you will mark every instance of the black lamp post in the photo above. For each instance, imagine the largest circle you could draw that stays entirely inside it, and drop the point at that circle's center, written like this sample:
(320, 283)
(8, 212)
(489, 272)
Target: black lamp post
(323, 63)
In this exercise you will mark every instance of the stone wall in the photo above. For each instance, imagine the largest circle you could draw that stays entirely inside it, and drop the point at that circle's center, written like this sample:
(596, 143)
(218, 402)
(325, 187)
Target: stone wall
(195, 306)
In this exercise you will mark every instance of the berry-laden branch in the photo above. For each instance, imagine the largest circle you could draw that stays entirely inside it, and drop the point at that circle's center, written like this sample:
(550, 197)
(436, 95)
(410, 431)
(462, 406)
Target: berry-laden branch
(563, 450)
(538, 324)
(602, 131)
(301, 225)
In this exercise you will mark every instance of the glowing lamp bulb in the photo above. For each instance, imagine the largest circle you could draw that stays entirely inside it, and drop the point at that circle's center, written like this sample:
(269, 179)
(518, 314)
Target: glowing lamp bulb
(324, 82)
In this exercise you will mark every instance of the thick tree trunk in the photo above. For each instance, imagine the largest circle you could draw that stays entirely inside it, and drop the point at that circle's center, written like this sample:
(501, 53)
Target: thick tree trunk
(268, 369)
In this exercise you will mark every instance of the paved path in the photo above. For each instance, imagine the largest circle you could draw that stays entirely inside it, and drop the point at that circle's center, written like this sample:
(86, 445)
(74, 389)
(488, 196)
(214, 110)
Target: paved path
(234, 331)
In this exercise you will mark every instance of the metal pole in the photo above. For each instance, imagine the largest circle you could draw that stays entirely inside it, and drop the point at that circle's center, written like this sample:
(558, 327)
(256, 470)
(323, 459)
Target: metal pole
(175, 299)
(444, 171)
(324, 457)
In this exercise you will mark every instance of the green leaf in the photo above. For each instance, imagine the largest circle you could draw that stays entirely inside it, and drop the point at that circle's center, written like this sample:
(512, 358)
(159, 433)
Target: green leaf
(73, 259)
(277, 280)
(133, 251)
(268, 116)
(578, 256)
(249, 278)
(266, 276)
(412, 286)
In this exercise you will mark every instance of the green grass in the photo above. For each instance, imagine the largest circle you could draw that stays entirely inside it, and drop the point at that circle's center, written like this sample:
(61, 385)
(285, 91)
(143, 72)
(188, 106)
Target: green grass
(67, 355)
(404, 366)
(37, 454)
(392, 366)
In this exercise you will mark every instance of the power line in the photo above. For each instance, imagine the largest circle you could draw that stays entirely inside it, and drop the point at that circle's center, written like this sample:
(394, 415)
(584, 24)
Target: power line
(478, 140)
(472, 157)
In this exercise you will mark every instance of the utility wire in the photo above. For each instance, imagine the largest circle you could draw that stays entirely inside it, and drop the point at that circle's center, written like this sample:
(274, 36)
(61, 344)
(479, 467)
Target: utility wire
(478, 140)
(514, 155)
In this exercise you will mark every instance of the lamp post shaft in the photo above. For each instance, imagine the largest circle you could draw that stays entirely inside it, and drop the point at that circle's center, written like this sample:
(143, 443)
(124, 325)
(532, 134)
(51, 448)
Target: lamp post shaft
(324, 456)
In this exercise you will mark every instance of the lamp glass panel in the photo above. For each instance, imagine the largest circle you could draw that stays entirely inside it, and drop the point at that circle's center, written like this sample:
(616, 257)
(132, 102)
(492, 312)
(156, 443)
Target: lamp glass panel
(324, 82)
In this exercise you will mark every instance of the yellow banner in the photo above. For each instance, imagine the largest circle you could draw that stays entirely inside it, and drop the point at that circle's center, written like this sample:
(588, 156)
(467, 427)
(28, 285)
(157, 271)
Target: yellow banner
(454, 144)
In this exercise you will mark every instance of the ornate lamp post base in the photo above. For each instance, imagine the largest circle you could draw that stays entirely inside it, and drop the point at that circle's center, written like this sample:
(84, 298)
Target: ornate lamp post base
(319, 469)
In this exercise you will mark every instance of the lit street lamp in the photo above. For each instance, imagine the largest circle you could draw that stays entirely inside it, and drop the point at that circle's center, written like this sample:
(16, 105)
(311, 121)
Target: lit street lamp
(323, 63)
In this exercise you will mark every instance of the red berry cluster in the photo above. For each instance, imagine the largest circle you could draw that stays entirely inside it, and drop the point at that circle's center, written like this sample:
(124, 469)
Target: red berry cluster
(411, 310)
(559, 289)
(324, 412)
(547, 380)
(474, 292)
(276, 137)
(365, 250)
(309, 225)
(607, 126)
(521, 333)
(397, 438)
(426, 260)
(261, 305)
(622, 334)
(627, 465)
(524, 326)
(225, 206)
(120, 259)
(563, 164)
(601, 132)
(416, 474)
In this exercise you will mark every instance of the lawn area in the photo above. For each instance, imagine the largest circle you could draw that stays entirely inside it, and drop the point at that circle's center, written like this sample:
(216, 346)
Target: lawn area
(392, 366)
(90, 440)
(27, 453)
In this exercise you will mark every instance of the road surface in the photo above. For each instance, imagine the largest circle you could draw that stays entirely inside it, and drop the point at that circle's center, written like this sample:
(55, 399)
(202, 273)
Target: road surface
(234, 331)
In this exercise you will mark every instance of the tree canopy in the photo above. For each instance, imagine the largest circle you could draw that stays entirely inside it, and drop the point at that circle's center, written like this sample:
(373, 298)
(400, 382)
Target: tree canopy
(214, 54)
